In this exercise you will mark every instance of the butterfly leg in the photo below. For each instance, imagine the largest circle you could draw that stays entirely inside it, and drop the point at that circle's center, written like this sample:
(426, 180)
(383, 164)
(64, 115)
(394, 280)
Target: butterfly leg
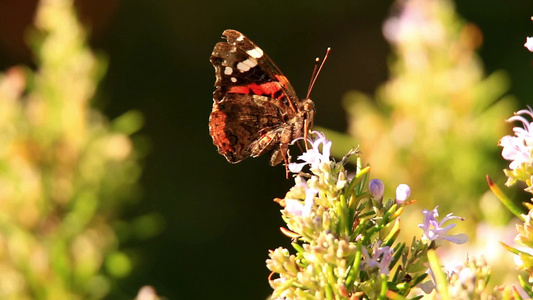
(286, 158)
(267, 142)
(282, 154)
(307, 128)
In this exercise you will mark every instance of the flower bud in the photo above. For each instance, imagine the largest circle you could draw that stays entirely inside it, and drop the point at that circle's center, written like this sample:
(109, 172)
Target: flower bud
(377, 188)
(402, 193)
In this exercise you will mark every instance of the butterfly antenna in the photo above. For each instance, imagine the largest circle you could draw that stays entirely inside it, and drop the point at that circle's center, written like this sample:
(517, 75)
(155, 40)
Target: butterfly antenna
(317, 60)
(316, 71)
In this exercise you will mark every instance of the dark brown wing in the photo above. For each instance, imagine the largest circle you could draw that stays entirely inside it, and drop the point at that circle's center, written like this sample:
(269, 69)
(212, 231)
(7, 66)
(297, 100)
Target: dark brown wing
(239, 62)
(245, 125)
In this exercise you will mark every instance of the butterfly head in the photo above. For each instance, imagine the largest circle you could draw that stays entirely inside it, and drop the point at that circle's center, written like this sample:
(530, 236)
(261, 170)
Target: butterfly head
(308, 109)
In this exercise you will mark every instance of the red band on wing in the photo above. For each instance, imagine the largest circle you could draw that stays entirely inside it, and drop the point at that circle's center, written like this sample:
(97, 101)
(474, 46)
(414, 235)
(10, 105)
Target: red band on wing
(265, 89)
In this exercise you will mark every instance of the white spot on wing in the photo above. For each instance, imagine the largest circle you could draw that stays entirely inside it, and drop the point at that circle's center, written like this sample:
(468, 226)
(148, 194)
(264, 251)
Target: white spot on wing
(255, 52)
(243, 67)
(240, 38)
(246, 65)
(233, 79)
(228, 70)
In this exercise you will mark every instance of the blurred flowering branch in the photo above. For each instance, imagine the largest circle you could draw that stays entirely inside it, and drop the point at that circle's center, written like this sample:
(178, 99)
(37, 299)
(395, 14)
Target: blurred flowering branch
(64, 169)
(432, 124)
(518, 149)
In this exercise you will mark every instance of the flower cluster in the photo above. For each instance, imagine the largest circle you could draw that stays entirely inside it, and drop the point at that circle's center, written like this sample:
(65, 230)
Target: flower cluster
(435, 146)
(345, 234)
(519, 148)
(470, 280)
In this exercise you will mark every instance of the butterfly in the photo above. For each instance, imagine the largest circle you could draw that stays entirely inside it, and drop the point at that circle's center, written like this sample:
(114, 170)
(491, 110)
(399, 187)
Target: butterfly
(255, 108)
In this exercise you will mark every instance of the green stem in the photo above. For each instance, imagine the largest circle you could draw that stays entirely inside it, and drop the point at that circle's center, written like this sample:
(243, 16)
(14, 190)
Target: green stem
(441, 283)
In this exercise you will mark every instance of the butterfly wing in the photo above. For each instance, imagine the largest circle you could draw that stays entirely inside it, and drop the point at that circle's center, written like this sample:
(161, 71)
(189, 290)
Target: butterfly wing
(238, 62)
(254, 104)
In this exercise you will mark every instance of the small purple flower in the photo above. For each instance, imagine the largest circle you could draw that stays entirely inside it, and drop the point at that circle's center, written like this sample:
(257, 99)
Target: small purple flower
(518, 148)
(381, 259)
(428, 285)
(529, 44)
(434, 231)
(402, 193)
(313, 156)
(377, 188)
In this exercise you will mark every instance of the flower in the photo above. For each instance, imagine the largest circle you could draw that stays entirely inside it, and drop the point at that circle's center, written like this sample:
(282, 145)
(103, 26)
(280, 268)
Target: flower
(524, 231)
(296, 207)
(518, 148)
(147, 293)
(434, 231)
(377, 188)
(381, 259)
(529, 44)
(402, 193)
(414, 25)
(428, 285)
(524, 258)
(514, 150)
(467, 277)
(313, 156)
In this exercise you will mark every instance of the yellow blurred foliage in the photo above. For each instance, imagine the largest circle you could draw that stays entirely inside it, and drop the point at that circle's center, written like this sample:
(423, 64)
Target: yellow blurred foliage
(63, 170)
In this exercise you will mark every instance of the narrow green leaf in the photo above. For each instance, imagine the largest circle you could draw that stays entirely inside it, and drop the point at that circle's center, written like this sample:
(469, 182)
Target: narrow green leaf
(395, 296)
(511, 206)
(525, 285)
(440, 277)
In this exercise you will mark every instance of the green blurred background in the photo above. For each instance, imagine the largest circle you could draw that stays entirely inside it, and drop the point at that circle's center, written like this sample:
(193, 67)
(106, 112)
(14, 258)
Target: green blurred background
(219, 218)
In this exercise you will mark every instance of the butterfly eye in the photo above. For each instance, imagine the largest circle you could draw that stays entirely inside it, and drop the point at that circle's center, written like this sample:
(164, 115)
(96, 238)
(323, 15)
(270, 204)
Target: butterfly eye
(308, 105)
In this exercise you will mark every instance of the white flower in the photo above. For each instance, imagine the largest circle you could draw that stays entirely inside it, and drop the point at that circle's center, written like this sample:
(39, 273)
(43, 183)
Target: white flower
(296, 207)
(529, 44)
(402, 193)
(314, 156)
(518, 148)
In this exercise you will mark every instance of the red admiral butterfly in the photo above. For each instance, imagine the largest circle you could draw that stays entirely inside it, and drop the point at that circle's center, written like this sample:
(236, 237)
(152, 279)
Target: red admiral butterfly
(255, 109)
